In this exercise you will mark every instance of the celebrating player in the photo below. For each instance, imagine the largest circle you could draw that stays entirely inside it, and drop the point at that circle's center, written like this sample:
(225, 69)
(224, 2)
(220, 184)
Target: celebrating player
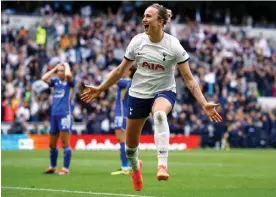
(153, 88)
(61, 120)
(121, 113)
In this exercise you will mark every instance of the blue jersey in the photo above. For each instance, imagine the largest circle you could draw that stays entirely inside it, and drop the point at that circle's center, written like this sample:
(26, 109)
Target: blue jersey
(122, 97)
(61, 96)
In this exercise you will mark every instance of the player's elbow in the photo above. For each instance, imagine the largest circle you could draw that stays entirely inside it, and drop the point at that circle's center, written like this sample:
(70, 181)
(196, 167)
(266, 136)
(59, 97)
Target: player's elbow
(44, 78)
(68, 75)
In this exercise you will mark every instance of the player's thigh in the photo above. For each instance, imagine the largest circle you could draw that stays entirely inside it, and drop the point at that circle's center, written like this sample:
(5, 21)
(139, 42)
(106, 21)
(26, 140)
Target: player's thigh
(53, 140)
(164, 102)
(138, 112)
(54, 132)
(161, 104)
(54, 127)
(65, 127)
(139, 108)
(65, 123)
(65, 138)
(133, 131)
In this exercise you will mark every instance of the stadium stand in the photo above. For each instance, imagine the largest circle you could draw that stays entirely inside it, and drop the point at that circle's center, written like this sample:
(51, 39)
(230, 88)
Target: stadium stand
(232, 67)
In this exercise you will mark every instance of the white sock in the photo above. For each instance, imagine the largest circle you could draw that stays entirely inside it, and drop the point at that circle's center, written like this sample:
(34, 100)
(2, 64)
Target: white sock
(161, 137)
(132, 156)
(217, 147)
(223, 144)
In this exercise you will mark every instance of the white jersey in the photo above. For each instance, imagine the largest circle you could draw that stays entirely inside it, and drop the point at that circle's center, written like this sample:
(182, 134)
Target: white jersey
(155, 64)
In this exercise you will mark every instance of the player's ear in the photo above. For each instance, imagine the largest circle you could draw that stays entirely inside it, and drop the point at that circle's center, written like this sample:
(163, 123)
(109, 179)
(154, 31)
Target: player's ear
(160, 20)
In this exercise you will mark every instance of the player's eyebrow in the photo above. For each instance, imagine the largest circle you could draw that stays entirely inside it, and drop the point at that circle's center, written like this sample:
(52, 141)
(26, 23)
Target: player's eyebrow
(147, 14)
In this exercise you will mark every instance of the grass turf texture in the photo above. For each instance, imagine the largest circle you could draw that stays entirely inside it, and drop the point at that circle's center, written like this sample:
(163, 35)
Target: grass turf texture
(196, 173)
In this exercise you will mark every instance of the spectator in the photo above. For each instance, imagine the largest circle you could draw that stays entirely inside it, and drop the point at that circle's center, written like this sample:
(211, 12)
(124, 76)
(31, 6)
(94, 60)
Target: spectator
(231, 68)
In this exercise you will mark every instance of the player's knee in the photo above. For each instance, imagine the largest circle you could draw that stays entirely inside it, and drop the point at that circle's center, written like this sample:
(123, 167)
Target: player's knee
(65, 139)
(52, 146)
(132, 143)
(66, 147)
(159, 117)
(120, 140)
(65, 143)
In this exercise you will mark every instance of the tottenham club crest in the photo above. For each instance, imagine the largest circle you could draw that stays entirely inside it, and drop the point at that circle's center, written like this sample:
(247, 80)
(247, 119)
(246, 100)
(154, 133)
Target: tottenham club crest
(164, 56)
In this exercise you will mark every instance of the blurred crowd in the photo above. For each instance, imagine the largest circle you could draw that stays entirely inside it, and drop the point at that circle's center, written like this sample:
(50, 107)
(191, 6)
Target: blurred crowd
(231, 68)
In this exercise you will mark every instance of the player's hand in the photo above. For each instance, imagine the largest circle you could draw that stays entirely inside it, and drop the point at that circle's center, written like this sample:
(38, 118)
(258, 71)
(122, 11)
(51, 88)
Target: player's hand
(57, 67)
(210, 111)
(90, 93)
(66, 64)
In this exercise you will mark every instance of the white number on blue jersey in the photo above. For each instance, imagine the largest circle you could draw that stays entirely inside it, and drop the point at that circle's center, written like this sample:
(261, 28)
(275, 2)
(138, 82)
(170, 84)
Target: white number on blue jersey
(66, 122)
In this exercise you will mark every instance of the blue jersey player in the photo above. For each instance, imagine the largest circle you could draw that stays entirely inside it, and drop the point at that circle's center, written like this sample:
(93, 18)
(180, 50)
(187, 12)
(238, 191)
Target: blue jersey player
(121, 112)
(61, 120)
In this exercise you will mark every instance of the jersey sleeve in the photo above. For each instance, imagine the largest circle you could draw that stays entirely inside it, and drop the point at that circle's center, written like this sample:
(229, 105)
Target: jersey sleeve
(180, 53)
(129, 54)
(52, 82)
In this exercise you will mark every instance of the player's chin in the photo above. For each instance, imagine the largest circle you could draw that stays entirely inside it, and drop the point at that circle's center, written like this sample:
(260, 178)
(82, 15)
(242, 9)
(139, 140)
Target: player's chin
(146, 30)
(62, 77)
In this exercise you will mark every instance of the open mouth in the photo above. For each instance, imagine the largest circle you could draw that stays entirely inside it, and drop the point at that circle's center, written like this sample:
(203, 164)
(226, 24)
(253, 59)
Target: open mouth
(146, 27)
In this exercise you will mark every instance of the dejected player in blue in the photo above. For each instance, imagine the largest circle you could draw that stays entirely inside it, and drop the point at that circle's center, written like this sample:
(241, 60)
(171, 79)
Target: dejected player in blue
(121, 112)
(61, 120)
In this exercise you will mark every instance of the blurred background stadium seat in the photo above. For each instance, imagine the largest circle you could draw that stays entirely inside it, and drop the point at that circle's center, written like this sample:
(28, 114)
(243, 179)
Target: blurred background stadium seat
(233, 57)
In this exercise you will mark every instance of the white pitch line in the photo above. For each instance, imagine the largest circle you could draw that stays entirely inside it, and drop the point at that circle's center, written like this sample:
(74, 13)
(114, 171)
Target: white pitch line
(70, 191)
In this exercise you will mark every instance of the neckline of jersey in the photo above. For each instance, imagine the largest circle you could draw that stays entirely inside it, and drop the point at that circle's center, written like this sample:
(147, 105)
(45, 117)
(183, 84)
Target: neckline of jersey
(156, 42)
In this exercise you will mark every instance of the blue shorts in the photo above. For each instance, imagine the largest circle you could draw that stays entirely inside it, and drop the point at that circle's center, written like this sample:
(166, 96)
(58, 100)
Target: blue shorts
(61, 123)
(141, 108)
(120, 122)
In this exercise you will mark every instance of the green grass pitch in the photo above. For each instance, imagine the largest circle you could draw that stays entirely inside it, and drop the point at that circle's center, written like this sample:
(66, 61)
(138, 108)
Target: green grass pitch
(196, 173)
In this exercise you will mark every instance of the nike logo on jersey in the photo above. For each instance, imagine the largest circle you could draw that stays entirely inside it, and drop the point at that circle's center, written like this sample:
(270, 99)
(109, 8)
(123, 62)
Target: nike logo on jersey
(130, 109)
(153, 66)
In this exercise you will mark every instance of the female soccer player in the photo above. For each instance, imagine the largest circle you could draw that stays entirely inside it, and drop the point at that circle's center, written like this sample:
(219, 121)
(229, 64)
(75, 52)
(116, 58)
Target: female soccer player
(153, 88)
(61, 120)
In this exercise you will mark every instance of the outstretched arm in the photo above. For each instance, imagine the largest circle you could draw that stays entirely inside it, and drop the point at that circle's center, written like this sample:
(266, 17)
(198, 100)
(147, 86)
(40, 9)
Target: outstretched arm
(116, 74)
(194, 88)
(191, 83)
(91, 92)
